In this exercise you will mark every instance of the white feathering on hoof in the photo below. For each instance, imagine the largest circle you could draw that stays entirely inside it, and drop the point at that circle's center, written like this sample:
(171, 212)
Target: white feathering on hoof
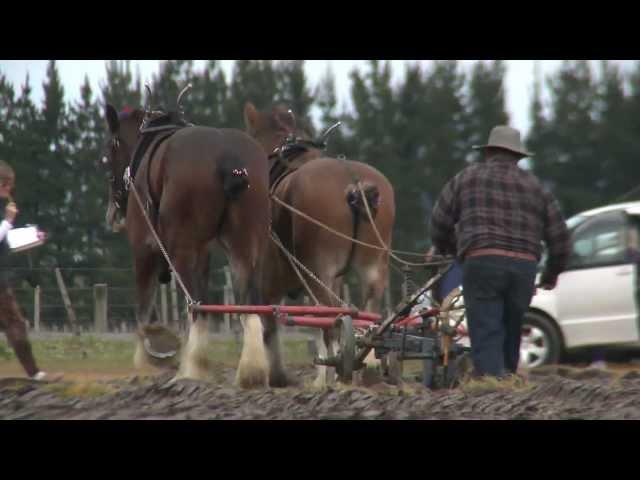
(140, 359)
(371, 361)
(322, 372)
(195, 364)
(253, 369)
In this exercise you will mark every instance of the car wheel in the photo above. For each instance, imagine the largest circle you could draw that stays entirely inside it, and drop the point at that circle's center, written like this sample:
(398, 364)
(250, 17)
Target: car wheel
(541, 343)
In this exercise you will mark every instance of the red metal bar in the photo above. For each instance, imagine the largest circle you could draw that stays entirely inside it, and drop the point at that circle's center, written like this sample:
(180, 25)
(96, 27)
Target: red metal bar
(288, 309)
(415, 319)
(317, 322)
(410, 321)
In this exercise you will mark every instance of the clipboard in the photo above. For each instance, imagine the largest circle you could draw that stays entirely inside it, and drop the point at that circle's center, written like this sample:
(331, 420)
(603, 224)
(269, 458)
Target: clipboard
(25, 238)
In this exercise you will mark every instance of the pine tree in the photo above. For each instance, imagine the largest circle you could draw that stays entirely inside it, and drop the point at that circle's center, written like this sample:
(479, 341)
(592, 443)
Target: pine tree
(53, 171)
(252, 80)
(7, 117)
(205, 104)
(570, 162)
(293, 90)
(618, 144)
(326, 101)
(166, 85)
(486, 100)
(120, 89)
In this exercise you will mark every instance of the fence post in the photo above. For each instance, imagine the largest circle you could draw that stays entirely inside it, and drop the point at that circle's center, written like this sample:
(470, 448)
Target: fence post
(347, 293)
(164, 307)
(387, 300)
(36, 308)
(175, 319)
(100, 308)
(67, 302)
(226, 316)
(229, 298)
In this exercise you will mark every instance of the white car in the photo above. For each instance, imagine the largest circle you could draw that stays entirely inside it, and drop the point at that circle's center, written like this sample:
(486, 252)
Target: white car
(595, 302)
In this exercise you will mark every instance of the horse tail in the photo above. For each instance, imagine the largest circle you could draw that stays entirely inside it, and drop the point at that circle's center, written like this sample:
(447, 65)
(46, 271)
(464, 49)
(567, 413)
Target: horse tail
(359, 212)
(233, 174)
(356, 202)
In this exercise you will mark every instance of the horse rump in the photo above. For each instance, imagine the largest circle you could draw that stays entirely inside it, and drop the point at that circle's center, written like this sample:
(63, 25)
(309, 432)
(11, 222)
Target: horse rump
(234, 176)
(356, 202)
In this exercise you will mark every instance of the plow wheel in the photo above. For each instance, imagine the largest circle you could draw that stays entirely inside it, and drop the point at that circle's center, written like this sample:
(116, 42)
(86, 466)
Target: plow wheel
(347, 354)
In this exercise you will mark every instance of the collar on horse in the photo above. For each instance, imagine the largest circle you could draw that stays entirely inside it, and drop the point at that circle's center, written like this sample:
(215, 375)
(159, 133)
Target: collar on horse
(150, 129)
(157, 127)
(294, 147)
(291, 149)
(286, 153)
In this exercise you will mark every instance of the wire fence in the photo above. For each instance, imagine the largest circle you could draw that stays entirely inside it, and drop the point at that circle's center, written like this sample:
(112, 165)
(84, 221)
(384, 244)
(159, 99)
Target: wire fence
(46, 310)
(44, 305)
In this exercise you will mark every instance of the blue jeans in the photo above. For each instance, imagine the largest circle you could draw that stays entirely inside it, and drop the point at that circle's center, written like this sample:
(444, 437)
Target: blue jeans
(497, 293)
(450, 281)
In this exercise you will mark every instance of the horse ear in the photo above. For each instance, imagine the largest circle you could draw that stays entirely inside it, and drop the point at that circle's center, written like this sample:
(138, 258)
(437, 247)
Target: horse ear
(138, 115)
(250, 117)
(286, 120)
(112, 118)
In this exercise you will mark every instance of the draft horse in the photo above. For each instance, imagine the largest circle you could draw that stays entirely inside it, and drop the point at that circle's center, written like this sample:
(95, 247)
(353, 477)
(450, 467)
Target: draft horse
(325, 189)
(199, 187)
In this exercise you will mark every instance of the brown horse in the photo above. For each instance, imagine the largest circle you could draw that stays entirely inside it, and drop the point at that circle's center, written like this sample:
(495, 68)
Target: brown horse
(325, 189)
(199, 186)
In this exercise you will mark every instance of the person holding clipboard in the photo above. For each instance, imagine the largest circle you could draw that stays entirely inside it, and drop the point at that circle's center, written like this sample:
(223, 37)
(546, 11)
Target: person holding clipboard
(12, 322)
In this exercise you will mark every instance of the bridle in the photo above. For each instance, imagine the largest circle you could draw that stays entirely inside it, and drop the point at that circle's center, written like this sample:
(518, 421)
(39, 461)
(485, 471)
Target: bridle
(118, 191)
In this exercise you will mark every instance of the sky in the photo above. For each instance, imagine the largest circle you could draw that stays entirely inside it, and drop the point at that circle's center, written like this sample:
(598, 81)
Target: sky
(518, 82)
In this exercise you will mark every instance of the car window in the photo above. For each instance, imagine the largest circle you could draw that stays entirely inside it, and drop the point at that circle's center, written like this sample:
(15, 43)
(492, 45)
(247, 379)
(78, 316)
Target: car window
(575, 221)
(600, 241)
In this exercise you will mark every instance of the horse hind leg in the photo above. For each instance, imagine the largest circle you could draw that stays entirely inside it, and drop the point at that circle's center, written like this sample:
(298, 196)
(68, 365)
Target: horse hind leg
(373, 280)
(253, 367)
(278, 377)
(326, 341)
(195, 362)
(146, 267)
(199, 366)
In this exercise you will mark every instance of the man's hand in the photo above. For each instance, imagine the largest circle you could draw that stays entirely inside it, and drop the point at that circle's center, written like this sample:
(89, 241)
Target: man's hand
(42, 235)
(544, 286)
(429, 255)
(10, 212)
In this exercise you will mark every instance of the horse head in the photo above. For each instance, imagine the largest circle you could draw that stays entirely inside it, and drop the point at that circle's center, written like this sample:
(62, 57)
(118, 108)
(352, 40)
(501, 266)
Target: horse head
(279, 133)
(273, 128)
(120, 143)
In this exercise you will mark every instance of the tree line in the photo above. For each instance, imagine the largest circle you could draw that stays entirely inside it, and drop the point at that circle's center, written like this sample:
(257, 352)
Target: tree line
(417, 131)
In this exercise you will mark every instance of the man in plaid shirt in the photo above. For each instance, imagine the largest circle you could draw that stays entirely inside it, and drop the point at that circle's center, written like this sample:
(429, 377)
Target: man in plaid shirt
(494, 216)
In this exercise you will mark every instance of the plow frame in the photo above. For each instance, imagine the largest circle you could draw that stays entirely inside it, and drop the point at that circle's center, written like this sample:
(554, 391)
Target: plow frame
(425, 336)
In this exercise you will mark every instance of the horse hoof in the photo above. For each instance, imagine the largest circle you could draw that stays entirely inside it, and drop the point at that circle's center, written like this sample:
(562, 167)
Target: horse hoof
(282, 380)
(253, 380)
(319, 383)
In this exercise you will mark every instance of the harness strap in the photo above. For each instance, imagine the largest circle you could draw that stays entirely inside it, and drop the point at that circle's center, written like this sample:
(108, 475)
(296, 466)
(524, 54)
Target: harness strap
(163, 128)
(279, 170)
(356, 226)
(155, 203)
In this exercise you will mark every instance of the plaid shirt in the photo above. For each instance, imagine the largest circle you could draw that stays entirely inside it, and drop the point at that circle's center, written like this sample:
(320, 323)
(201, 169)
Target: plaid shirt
(495, 204)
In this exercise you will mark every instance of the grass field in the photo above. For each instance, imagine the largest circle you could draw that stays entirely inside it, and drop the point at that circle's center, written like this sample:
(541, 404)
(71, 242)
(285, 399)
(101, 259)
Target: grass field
(89, 357)
(92, 358)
